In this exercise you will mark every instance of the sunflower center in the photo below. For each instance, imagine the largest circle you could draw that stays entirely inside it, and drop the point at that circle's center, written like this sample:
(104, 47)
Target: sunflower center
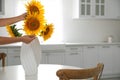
(47, 30)
(33, 24)
(34, 9)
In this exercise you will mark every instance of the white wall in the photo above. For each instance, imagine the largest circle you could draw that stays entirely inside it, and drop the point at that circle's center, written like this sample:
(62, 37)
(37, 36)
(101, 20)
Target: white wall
(88, 30)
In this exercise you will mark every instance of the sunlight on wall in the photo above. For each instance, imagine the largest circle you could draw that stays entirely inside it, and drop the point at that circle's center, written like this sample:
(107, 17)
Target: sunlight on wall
(53, 14)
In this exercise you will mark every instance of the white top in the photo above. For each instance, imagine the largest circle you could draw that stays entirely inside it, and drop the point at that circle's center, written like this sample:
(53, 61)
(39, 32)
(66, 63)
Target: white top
(45, 72)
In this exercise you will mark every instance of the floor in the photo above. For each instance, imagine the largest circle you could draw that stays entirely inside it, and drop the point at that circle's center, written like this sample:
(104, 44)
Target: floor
(100, 79)
(112, 79)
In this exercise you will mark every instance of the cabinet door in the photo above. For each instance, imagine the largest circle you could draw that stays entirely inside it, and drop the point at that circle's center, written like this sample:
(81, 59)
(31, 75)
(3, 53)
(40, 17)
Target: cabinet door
(55, 57)
(43, 58)
(99, 8)
(5, 51)
(113, 9)
(116, 59)
(73, 56)
(85, 7)
(91, 56)
(89, 9)
(106, 54)
(14, 56)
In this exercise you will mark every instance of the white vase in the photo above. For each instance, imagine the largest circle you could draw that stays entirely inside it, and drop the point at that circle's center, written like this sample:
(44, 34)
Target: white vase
(30, 57)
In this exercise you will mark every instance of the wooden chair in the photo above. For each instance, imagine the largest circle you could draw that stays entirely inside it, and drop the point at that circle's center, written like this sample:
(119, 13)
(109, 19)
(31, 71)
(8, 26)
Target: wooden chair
(2, 57)
(94, 73)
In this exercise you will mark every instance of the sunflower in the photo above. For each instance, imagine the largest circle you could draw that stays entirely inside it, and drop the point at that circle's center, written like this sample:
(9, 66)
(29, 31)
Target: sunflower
(34, 24)
(35, 6)
(13, 31)
(48, 32)
(9, 30)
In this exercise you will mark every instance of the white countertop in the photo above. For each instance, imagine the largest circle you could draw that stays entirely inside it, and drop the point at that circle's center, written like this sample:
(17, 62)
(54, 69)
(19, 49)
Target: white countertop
(93, 43)
(63, 44)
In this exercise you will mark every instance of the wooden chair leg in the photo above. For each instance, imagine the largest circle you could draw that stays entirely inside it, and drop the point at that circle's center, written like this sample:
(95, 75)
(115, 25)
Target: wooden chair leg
(3, 62)
(2, 57)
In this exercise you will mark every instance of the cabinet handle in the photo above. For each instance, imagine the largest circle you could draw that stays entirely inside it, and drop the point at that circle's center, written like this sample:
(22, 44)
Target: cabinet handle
(90, 47)
(16, 56)
(16, 50)
(118, 46)
(93, 16)
(73, 48)
(105, 46)
(47, 54)
(73, 53)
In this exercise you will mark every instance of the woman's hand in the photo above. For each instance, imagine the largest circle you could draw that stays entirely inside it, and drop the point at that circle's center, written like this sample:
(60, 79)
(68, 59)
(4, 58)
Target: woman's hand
(27, 38)
(23, 16)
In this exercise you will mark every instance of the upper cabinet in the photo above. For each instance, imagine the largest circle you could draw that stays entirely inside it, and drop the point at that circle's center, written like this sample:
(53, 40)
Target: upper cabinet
(2, 8)
(113, 9)
(96, 9)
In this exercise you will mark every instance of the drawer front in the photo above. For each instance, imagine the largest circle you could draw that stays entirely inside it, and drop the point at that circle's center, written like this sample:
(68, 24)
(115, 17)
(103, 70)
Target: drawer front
(13, 50)
(73, 49)
(3, 50)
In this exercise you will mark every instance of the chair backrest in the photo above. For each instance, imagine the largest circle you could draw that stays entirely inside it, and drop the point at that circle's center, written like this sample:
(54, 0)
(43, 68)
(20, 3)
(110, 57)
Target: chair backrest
(95, 73)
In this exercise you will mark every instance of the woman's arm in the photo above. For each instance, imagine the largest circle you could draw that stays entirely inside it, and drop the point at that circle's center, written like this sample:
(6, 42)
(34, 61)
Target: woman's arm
(7, 40)
(8, 21)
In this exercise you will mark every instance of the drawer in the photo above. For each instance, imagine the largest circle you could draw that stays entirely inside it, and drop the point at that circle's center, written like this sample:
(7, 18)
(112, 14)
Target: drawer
(14, 51)
(74, 49)
(3, 50)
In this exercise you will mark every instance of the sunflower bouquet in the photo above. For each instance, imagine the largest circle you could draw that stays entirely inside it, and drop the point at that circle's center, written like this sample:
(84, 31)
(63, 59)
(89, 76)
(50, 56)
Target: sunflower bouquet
(34, 23)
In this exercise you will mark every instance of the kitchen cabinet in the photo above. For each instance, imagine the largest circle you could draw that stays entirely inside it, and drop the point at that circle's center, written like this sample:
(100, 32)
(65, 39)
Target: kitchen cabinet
(79, 55)
(113, 9)
(90, 55)
(13, 56)
(89, 9)
(55, 58)
(2, 7)
(96, 9)
(3, 49)
(106, 55)
(43, 58)
(53, 54)
(74, 55)
(116, 60)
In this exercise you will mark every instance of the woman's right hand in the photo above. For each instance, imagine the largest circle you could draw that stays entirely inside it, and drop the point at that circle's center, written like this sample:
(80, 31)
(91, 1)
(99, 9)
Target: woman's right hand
(27, 38)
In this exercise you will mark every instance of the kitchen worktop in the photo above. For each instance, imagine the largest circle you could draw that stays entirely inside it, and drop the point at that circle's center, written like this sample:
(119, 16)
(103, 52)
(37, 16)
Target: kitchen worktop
(54, 44)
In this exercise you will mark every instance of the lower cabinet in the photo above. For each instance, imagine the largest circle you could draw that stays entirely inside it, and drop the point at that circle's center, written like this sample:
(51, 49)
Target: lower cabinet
(13, 56)
(106, 55)
(74, 56)
(84, 56)
(43, 59)
(53, 58)
(116, 60)
(53, 54)
(90, 56)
